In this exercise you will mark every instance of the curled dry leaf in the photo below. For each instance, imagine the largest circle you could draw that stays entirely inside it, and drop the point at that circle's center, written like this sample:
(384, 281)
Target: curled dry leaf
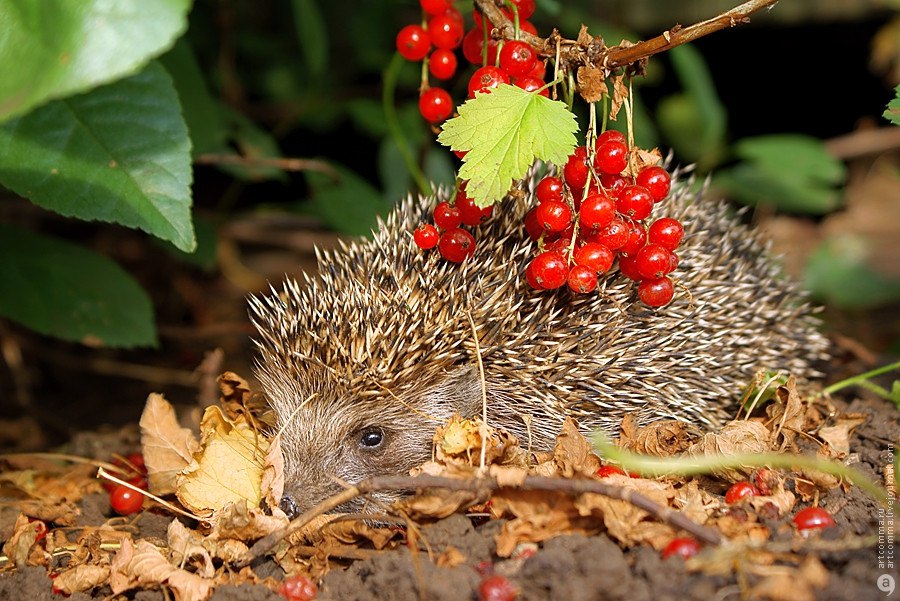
(237, 521)
(591, 84)
(228, 467)
(19, 546)
(81, 578)
(437, 503)
(789, 415)
(272, 485)
(188, 546)
(167, 447)
(781, 499)
(662, 438)
(626, 522)
(799, 584)
(734, 438)
(143, 565)
(619, 95)
(459, 441)
(837, 437)
(573, 454)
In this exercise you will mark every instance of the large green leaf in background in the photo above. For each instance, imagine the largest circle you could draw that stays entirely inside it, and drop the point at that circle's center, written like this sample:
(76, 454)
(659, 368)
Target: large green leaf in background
(348, 204)
(63, 290)
(54, 48)
(119, 153)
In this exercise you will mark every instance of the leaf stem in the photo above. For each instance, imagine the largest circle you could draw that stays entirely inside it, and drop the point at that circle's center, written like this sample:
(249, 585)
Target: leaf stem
(389, 86)
(859, 379)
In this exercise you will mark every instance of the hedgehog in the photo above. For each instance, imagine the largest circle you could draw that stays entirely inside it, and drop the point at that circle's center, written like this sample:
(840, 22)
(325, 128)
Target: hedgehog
(363, 360)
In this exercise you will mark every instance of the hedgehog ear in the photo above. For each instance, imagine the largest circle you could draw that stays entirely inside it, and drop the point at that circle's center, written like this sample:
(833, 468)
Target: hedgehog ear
(462, 390)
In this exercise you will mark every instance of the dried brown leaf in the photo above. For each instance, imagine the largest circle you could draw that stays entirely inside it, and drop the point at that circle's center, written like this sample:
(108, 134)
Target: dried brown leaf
(539, 515)
(237, 521)
(591, 85)
(662, 438)
(734, 438)
(838, 436)
(143, 565)
(573, 454)
(437, 503)
(167, 447)
(81, 578)
(619, 95)
(450, 558)
(272, 485)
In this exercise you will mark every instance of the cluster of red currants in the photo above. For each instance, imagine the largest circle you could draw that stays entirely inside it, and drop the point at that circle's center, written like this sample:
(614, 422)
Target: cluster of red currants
(453, 242)
(444, 31)
(594, 215)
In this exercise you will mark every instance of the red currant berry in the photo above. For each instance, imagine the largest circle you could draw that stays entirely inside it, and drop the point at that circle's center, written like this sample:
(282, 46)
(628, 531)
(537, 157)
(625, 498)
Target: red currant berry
(460, 154)
(609, 135)
(538, 69)
(595, 256)
(456, 245)
(656, 180)
(666, 232)
(653, 261)
(446, 216)
(136, 460)
(614, 235)
(435, 105)
(596, 212)
(582, 280)
(739, 490)
(469, 211)
(681, 547)
(560, 246)
(298, 588)
(446, 30)
(628, 269)
(525, 7)
(496, 588)
(125, 501)
(413, 42)
(473, 44)
(637, 238)
(673, 261)
(485, 79)
(550, 270)
(531, 84)
(435, 7)
(606, 471)
(576, 169)
(442, 63)
(813, 518)
(554, 216)
(656, 293)
(613, 184)
(549, 188)
(426, 236)
(611, 157)
(529, 27)
(532, 225)
(517, 58)
(530, 277)
(635, 202)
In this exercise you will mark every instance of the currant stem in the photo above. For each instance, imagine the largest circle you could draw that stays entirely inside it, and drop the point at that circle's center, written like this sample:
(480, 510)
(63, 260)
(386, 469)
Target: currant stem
(393, 124)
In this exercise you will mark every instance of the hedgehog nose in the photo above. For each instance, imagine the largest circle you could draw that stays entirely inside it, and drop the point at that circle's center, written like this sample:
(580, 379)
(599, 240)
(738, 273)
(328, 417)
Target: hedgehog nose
(289, 506)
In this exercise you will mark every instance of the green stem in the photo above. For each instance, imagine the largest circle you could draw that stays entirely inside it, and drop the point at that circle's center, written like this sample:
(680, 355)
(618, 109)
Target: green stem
(691, 466)
(389, 83)
(861, 378)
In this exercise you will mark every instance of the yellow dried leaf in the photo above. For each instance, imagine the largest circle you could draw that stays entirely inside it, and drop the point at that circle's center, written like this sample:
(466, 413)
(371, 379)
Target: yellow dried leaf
(143, 564)
(168, 448)
(228, 467)
(272, 485)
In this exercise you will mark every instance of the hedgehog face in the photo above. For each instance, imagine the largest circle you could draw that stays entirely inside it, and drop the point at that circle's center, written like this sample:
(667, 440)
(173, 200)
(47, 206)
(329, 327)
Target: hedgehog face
(343, 436)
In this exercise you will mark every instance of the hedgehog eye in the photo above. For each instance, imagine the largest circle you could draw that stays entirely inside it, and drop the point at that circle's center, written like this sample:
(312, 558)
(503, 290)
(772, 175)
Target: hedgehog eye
(371, 438)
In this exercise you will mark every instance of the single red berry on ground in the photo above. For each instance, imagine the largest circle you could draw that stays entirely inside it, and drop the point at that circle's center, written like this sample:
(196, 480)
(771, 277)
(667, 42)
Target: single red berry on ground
(426, 236)
(681, 547)
(298, 588)
(125, 501)
(813, 518)
(413, 42)
(740, 490)
(496, 588)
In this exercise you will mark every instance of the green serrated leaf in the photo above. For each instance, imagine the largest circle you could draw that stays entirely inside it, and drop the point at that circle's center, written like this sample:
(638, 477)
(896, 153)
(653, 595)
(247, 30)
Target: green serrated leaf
(63, 290)
(892, 113)
(119, 153)
(53, 48)
(503, 132)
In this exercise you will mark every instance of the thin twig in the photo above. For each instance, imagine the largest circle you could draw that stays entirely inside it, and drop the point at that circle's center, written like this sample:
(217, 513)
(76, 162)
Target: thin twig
(483, 487)
(283, 163)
